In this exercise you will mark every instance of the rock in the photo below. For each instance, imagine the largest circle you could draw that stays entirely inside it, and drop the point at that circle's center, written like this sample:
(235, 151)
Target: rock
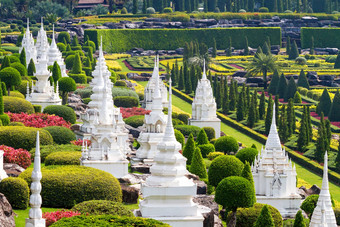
(313, 190)
(133, 178)
(6, 212)
(75, 127)
(134, 131)
(217, 221)
(13, 170)
(142, 168)
(130, 194)
(192, 176)
(208, 216)
(201, 187)
(208, 201)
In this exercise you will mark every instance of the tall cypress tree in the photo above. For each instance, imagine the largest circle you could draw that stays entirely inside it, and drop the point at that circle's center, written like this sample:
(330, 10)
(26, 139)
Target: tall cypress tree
(188, 88)
(302, 141)
(225, 100)
(246, 47)
(181, 79)
(283, 127)
(282, 86)
(240, 108)
(334, 111)
(309, 124)
(302, 81)
(312, 51)
(255, 94)
(274, 83)
(214, 50)
(288, 46)
(215, 85)
(134, 7)
(193, 77)
(277, 105)
(325, 103)
(144, 7)
(56, 72)
(294, 52)
(232, 97)
(251, 5)
(269, 115)
(229, 47)
(251, 114)
(320, 142)
(291, 117)
(31, 68)
(23, 57)
(262, 106)
(205, 5)
(290, 90)
(218, 96)
(328, 134)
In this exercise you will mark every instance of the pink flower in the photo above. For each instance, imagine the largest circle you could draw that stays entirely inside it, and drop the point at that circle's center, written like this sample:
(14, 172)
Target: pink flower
(79, 142)
(38, 120)
(20, 156)
(129, 112)
(52, 217)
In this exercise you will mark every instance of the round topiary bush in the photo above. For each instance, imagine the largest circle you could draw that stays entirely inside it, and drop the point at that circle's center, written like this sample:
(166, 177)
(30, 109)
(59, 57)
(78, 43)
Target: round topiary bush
(213, 155)
(61, 135)
(65, 186)
(186, 130)
(206, 149)
(62, 111)
(120, 83)
(150, 10)
(100, 207)
(210, 132)
(246, 217)
(4, 118)
(63, 158)
(17, 105)
(247, 154)
(23, 137)
(222, 167)
(301, 61)
(16, 191)
(10, 76)
(226, 144)
(126, 101)
(20, 67)
(167, 10)
(48, 149)
(183, 117)
(135, 121)
(107, 220)
(16, 94)
(263, 10)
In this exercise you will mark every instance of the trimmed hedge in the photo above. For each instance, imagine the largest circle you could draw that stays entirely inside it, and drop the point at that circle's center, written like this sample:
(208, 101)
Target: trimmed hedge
(16, 191)
(213, 155)
(135, 121)
(63, 158)
(126, 101)
(48, 149)
(23, 137)
(17, 105)
(206, 149)
(4, 118)
(78, 78)
(226, 144)
(323, 37)
(65, 186)
(107, 220)
(187, 129)
(100, 207)
(61, 135)
(62, 111)
(169, 39)
(247, 154)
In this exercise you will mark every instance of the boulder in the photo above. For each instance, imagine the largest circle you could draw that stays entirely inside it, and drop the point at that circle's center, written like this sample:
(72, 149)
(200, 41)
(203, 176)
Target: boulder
(139, 167)
(130, 194)
(134, 131)
(13, 170)
(207, 201)
(208, 216)
(6, 212)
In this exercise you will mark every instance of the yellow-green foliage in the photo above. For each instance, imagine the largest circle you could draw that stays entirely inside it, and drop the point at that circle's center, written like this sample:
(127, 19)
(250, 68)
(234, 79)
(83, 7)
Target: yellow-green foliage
(63, 158)
(16, 191)
(17, 105)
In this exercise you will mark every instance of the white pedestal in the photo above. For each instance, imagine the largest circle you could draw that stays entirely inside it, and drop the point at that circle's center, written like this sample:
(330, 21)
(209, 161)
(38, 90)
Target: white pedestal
(148, 142)
(35, 223)
(288, 206)
(43, 99)
(216, 124)
(118, 169)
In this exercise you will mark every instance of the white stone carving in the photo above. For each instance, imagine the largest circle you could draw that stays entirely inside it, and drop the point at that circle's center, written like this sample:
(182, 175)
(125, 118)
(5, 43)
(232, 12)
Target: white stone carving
(54, 54)
(42, 44)
(28, 44)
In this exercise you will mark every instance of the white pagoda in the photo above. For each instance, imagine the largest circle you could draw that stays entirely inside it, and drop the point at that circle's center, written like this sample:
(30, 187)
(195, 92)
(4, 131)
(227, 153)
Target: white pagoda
(28, 44)
(150, 88)
(275, 177)
(168, 193)
(104, 126)
(323, 214)
(154, 127)
(204, 106)
(54, 54)
(3, 173)
(42, 44)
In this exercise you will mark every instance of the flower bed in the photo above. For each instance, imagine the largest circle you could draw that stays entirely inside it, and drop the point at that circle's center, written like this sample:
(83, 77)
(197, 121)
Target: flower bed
(315, 115)
(79, 142)
(129, 112)
(20, 156)
(38, 120)
(52, 217)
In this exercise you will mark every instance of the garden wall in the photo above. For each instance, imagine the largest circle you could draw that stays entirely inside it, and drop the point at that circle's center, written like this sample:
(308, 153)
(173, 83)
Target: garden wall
(323, 37)
(120, 40)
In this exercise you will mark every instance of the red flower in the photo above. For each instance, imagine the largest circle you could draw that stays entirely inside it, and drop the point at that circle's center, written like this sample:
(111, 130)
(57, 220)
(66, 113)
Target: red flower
(52, 217)
(129, 112)
(79, 142)
(38, 120)
(20, 156)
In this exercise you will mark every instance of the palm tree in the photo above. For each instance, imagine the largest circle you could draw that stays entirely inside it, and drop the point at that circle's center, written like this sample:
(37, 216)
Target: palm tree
(263, 64)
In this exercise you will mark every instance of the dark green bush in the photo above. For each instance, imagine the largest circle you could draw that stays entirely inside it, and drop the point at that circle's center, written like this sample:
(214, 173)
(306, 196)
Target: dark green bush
(135, 121)
(63, 158)
(210, 132)
(17, 105)
(206, 149)
(107, 220)
(16, 191)
(78, 78)
(120, 83)
(247, 154)
(222, 167)
(37, 108)
(126, 101)
(48, 149)
(61, 135)
(100, 207)
(65, 186)
(226, 144)
(23, 137)
(187, 129)
(179, 137)
(183, 117)
(62, 111)
(4, 118)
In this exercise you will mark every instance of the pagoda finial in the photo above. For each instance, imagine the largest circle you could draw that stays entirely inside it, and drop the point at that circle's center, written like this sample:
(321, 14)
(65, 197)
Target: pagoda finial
(42, 23)
(325, 172)
(169, 134)
(204, 77)
(53, 32)
(28, 26)
(273, 141)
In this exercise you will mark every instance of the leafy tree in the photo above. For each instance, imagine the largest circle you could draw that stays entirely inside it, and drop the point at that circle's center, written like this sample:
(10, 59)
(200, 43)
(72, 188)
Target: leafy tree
(290, 90)
(294, 52)
(274, 83)
(134, 7)
(240, 107)
(56, 72)
(262, 106)
(302, 81)
(198, 165)
(335, 107)
(265, 218)
(246, 47)
(297, 97)
(246, 173)
(11, 77)
(31, 68)
(189, 148)
(299, 221)
(282, 86)
(66, 85)
(269, 115)
(325, 103)
(202, 138)
(214, 51)
(228, 50)
(337, 62)
(6, 62)
(77, 67)
(23, 57)
(321, 141)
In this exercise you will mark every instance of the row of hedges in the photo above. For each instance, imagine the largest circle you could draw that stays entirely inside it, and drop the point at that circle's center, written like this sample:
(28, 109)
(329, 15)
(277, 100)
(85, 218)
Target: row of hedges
(316, 122)
(323, 37)
(169, 39)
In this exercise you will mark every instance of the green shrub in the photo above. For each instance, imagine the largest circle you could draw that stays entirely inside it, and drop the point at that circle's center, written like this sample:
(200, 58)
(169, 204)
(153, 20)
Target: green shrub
(78, 78)
(183, 117)
(107, 220)
(263, 10)
(222, 167)
(126, 101)
(87, 100)
(206, 149)
(84, 92)
(309, 204)
(323, 37)
(69, 61)
(17, 105)
(226, 144)
(297, 98)
(150, 10)
(100, 207)
(301, 61)
(213, 155)
(210, 132)
(65, 186)
(16, 191)
(64, 35)
(62, 111)
(247, 154)
(116, 91)
(22, 88)
(198, 166)
(16, 94)
(61, 47)
(167, 10)
(37, 108)
(61, 135)
(202, 138)
(187, 129)
(20, 67)
(189, 148)
(179, 137)
(135, 121)
(63, 158)
(48, 149)
(16, 124)
(247, 216)
(23, 137)
(120, 83)
(10, 76)
(4, 118)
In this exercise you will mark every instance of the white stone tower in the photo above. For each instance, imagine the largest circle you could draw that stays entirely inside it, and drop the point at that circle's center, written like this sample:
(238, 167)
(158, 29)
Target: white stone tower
(35, 213)
(154, 127)
(3, 173)
(204, 106)
(42, 44)
(275, 177)
(150, 88)
(323, 214)
(54, 54)
(28, 44)
(168, 192)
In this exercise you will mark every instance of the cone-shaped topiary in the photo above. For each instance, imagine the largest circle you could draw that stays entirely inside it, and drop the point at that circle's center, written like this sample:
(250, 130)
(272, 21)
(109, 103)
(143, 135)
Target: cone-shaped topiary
(274, 83)
(265, 49)
(258, 51)
(75, 41)
(23, 57)
(302, 81)
(324, 104)
(281, 87)
(5, 63)
(198, 165)
(56, 72)
(77, 67)
(31, 68)
(68, 48)
(294, 52)
(291, 89)
(202, 138)
(334, 112)
(189, 149)
(299, 221)
(265, 219)
(297, 98)
(246, 173)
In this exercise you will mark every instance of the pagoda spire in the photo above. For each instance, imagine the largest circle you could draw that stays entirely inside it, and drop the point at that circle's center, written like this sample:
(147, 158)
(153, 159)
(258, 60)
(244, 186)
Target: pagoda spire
(169, 134)
(204, 76)
(273, 141)
(28, 27)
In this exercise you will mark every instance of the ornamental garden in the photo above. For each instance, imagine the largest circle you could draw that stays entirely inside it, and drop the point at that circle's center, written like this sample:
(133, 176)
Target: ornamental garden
(228, 114)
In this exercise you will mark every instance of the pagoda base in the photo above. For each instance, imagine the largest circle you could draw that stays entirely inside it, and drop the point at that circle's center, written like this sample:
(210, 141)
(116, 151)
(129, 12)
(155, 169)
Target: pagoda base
(287, 206)
(35, 222)
(43, 99)
(118, 169)
(216, 124)
(148, 145)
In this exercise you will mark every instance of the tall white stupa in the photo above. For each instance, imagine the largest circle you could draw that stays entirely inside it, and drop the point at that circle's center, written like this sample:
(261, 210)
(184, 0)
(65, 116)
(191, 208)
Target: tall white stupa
(204, 106)
(42, 44)
(28, 44)
(150, 88)
(153, 128)
(323, 214)
(168, 193)
(54, 54)
(275, 177)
